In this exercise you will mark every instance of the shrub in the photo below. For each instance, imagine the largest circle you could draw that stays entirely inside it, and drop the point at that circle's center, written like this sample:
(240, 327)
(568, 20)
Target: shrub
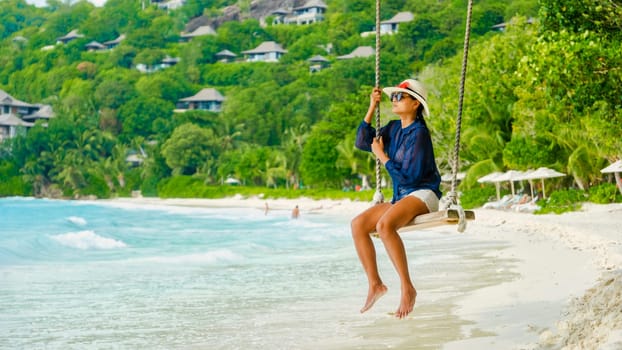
(477, 197)
(96, 186)
(15, 186)
(605, 193)
(149, 186)
(562, 201)
(12, 183)
(132, 182)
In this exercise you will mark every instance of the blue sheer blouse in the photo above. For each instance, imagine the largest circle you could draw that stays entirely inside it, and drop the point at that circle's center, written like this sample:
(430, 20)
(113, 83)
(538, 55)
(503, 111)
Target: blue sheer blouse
(411, 162)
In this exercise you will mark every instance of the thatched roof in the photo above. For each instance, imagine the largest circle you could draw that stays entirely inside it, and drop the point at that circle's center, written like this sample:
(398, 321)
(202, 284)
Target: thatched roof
(226, 53)
(207, 94)
(265, 47)
(8, 100)
(361, 51)
(202, 30)
(400, 18)
(12, 120)
(312, 4)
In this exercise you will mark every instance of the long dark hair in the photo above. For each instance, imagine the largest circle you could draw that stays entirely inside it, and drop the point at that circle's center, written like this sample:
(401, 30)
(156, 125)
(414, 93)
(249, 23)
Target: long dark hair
(419, 112)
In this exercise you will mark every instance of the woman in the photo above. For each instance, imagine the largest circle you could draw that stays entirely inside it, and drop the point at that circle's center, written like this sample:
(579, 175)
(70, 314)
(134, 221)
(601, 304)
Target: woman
(405, 149)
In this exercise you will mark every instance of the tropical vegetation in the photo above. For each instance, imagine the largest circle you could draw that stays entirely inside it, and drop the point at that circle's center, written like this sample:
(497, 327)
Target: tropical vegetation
(545, 91)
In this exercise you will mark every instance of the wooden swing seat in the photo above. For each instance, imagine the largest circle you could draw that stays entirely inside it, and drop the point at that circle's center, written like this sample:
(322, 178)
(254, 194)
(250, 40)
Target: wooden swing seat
(437, 218)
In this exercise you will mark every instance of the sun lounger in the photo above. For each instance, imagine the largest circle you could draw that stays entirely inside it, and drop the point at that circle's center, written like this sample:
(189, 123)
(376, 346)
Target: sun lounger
(498, 204)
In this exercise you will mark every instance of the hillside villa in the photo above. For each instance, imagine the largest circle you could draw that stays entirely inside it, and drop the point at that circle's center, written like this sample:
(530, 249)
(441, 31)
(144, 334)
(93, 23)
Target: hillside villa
(200, 31)
(311, 12)
(16, 116)
(207, 99)
(392, 26)
(359, 52)
(268, 51)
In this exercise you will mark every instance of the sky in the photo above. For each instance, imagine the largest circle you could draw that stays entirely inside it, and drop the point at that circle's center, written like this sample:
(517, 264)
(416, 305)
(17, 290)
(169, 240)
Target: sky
(41, 3)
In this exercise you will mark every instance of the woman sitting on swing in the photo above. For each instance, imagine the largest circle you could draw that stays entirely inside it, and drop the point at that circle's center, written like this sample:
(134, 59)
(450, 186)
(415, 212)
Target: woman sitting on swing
(405, 149)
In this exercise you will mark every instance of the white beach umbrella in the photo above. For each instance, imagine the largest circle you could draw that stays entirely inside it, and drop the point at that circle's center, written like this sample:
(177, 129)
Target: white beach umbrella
(544, 173)
(616, 169)
(526, 176)
(511, 176)
(491, 178)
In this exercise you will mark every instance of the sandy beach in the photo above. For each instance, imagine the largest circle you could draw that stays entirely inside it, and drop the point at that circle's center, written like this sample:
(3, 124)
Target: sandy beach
(565, 284)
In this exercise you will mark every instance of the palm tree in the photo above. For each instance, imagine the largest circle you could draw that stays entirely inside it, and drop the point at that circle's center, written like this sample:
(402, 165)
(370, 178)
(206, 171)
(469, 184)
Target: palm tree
(35, 172)
(229, 134)
(358, 162)
(276, 168)
(71, 171)
(294, 140)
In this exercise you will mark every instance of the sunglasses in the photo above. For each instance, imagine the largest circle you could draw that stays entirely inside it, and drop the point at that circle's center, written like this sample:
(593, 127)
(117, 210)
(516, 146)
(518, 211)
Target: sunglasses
(398, 96)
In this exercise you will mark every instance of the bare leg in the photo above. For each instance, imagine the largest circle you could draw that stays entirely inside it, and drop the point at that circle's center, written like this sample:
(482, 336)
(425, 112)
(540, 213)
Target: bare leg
(362, 226)
(399, 215)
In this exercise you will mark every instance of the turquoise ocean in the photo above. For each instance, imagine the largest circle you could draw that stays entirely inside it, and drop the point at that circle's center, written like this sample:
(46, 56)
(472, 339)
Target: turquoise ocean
(106, 275)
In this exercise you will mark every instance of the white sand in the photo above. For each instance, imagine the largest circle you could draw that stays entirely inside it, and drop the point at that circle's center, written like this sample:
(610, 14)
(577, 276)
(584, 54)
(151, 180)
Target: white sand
(568, 295)
(559, 258)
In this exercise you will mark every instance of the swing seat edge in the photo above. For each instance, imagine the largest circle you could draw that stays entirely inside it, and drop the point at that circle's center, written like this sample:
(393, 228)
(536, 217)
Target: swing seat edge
(438, 218)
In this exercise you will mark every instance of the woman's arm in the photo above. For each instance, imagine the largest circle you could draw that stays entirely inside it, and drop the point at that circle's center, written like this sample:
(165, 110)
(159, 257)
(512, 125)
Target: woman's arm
(366, 133)
(374, 100)
(377, 147)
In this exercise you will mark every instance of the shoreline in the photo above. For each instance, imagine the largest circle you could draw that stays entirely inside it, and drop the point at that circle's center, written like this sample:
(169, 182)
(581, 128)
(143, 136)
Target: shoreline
(569, 266)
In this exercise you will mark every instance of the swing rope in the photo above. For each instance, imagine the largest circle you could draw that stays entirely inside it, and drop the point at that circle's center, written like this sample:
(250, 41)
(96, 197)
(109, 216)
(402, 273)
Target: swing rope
(378, 196)
(452, 195)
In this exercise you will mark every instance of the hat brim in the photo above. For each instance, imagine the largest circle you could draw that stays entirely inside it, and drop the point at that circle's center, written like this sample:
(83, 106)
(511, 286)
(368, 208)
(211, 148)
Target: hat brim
(391, 89)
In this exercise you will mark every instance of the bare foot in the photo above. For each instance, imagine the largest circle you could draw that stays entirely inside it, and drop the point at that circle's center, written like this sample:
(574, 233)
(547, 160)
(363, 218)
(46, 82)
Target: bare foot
(407, 303)
(374, 294)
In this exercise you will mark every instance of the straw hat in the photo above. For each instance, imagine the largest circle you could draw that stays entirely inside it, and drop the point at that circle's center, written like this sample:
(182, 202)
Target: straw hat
(414, 89)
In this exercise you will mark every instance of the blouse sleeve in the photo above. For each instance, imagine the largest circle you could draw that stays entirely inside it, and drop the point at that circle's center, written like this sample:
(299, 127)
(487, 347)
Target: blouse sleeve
(364, 136)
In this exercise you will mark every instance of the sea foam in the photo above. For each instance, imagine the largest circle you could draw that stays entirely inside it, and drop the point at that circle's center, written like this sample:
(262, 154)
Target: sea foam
(76, 220)
(209, 257)
(87, 240)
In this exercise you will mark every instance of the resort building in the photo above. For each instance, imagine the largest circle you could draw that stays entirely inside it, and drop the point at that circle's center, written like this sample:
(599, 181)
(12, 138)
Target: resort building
(16, 116)
(165, 63)
(95, 46)
(200, 31)
(108, 45)
(43, 112)
(268, 51)
(279, 16)
(72, 35)
(318, 63)
(114, 43)
(225, 56)
(359, 52)
(392, 25)
(311, 12)
(169, 4)
(11, 126)
(207, 99)
(502, 26)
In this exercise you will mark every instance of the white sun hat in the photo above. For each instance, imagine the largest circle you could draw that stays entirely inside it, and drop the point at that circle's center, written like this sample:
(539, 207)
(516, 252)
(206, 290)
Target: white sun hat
(414, 89)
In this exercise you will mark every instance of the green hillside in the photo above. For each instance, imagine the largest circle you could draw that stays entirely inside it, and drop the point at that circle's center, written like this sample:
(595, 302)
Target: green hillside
(545, 91)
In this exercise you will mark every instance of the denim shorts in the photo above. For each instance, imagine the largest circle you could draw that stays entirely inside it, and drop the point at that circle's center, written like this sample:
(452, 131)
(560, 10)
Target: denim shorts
(428, 197)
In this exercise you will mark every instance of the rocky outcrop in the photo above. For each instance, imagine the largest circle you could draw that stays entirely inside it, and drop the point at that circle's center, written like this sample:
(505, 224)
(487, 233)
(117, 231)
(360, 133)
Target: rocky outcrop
(259, 9)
